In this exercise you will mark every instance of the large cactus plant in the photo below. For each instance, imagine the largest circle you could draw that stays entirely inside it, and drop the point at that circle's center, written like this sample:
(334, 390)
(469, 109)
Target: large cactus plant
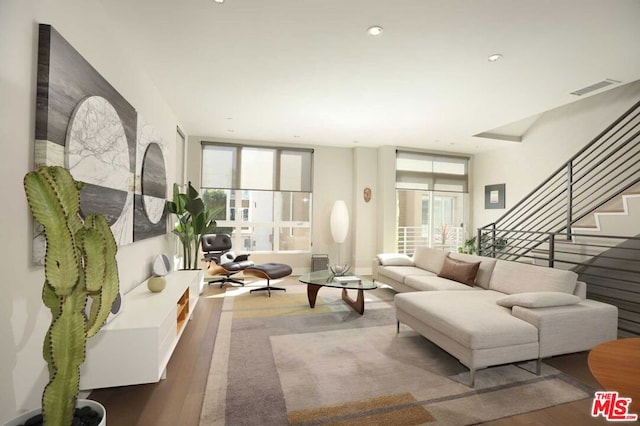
(80, 263)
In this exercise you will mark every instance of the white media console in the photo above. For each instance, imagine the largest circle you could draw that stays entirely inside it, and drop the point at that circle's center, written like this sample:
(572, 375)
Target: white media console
(137, 344)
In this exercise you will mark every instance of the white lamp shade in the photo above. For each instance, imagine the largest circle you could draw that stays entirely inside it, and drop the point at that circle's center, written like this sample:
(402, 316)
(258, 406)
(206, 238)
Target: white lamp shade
(339, 221)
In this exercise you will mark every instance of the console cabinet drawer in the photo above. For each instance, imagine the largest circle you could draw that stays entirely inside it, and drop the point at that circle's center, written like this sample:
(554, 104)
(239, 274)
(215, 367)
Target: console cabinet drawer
(136, 345)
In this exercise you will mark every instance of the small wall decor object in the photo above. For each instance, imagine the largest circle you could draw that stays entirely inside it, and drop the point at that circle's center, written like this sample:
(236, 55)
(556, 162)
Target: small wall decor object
(494, 196)
(367, 194)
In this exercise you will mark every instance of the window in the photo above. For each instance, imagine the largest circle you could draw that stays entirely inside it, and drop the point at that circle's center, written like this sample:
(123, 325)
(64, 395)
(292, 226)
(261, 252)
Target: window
(261, 195)
(432, 200)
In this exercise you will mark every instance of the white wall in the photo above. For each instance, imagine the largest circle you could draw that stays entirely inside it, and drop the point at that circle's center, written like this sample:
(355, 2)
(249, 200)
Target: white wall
(332, 180)
(386, 200)
(23, 320)
(549, 143)
(365, 170)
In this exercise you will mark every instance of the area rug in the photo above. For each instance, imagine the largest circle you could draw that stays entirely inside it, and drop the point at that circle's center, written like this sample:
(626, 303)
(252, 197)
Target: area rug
(277, 361)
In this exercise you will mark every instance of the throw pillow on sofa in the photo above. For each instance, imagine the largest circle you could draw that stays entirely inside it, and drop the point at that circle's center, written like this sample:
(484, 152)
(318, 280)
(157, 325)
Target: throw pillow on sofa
(460, 271)
(394, 259)
(538, 299)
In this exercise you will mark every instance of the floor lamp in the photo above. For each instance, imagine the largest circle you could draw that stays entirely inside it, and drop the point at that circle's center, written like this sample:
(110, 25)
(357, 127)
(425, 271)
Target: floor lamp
(339, 230)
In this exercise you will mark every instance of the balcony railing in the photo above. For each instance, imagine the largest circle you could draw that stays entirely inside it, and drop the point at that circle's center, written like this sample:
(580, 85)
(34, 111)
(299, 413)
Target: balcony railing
(410, 237)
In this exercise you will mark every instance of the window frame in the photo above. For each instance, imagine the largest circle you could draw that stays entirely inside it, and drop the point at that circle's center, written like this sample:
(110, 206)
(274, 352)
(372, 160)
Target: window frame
(277, 225)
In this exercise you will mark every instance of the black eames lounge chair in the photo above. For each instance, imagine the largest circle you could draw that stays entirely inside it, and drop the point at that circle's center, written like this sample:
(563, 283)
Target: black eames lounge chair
(221, 261)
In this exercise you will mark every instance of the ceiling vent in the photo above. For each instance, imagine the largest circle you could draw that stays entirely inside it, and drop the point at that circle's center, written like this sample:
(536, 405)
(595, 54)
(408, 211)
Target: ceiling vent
(594, 87)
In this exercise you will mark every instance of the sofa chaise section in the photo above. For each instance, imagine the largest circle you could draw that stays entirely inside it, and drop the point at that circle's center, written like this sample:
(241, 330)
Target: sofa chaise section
(514, 311)
(469, 326)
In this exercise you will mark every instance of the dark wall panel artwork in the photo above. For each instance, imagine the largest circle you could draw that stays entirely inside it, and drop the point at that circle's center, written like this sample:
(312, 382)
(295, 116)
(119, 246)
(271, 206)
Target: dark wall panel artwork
(150, 212)
(85, 125)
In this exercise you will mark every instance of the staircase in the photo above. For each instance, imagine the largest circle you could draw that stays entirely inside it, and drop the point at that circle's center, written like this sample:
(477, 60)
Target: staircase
(585, 217)
(613, 217)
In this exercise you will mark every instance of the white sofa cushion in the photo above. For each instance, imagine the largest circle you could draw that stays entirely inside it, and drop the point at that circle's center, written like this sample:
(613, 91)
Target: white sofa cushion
(471, 318)
(429, 259)
(394, 259)
(487, 264)
(433, 282)
(399, 273)
(574, 328)
(538, 299)
(513, 277)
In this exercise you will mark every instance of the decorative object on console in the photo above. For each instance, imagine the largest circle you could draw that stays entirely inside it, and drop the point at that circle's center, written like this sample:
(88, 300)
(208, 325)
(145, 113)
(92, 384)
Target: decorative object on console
(339, 230)
(161, 268)
(80, 265)
(156, 284)
(494, 196)
(161, 265)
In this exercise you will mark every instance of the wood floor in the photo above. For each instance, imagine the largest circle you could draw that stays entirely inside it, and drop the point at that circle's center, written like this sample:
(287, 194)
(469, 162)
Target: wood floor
(177, 400)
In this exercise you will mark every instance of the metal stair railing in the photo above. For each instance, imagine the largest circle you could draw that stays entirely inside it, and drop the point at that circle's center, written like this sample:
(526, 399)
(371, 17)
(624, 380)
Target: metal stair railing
(609, 264)
(600, 171)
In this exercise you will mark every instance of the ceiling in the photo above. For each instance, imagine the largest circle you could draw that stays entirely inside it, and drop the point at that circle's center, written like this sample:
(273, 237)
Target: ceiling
(307, 72)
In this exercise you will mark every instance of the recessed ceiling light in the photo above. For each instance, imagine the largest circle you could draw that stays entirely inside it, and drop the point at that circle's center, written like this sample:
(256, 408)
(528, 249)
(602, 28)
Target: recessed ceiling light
(374, 30)
(495, 57)
(219, 1)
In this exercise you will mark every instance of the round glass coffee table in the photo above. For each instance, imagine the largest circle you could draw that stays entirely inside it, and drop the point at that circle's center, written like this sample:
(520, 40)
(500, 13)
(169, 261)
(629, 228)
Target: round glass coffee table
(318, 279)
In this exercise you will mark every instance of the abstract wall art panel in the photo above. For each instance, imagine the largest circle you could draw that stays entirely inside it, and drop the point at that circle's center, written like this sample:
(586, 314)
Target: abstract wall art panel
(154, 184)
(150, 218)
(97, 153)
(85, 125)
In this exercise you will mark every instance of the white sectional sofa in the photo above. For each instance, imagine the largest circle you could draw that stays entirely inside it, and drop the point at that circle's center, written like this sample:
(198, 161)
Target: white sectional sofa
(506, 312)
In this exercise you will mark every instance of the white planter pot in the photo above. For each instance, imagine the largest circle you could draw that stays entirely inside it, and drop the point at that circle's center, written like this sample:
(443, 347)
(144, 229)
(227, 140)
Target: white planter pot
(96, 406)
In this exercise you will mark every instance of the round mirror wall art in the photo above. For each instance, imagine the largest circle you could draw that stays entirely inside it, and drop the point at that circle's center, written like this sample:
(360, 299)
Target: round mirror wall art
(97, 153)
(154, 183)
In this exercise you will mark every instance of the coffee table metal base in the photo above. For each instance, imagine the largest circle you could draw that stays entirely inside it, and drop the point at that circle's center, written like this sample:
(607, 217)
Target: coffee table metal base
(357, 305)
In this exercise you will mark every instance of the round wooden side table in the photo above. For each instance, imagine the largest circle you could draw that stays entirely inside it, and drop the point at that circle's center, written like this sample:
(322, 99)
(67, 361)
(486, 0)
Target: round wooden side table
(616, 366)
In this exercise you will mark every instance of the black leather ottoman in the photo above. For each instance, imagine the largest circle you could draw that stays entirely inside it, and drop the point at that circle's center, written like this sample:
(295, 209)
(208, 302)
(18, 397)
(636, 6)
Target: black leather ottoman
(269, 271)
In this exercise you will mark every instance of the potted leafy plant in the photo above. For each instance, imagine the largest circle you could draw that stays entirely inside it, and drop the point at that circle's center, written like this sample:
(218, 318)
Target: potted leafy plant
(471, 247)
(194, 221)
(80, 265)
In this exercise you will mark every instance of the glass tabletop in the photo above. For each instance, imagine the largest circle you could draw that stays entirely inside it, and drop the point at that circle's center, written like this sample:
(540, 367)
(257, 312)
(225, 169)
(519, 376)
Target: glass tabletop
(327, 279)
